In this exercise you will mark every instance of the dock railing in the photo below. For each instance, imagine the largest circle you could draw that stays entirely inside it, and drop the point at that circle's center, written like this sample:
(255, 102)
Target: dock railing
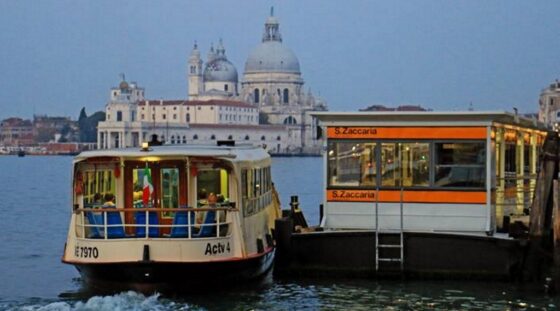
(186, 222)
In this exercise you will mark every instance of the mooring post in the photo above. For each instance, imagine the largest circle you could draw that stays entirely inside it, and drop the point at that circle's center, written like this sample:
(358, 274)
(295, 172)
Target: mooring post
(542, 206)
(556, 234)
(547, 173)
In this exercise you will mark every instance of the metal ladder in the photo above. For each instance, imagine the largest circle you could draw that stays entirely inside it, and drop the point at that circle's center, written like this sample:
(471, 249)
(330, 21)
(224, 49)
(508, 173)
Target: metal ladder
(378, 246)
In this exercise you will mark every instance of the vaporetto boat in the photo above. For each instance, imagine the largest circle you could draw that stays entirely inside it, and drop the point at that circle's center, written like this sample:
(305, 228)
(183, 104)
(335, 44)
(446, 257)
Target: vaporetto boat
(172, 216)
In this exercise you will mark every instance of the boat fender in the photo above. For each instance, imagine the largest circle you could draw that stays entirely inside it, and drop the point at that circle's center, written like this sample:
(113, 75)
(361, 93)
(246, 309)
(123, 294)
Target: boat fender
(260, 246)
(269, 241)
(146, 253)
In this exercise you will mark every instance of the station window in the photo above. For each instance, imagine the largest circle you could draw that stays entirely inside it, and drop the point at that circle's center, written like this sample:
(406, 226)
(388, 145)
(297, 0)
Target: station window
(460, 164)
(406, 162)
(352, 164)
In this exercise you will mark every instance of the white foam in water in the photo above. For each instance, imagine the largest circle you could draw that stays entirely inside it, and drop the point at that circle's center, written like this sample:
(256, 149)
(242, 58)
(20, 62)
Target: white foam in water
(123, 301)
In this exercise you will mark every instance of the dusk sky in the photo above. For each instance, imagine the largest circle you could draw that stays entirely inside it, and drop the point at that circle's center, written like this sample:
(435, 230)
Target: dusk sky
(60, 56)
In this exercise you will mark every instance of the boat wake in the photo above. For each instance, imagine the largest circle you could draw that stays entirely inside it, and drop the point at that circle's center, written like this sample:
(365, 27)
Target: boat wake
(123, 301)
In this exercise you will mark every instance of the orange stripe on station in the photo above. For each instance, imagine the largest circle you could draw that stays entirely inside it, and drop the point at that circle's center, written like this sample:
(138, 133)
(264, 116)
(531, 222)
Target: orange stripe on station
(351, 132)
(425, 196)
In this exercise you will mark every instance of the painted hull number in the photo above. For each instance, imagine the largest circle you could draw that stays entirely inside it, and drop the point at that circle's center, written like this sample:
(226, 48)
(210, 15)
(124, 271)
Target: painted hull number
(217, 248)
(86, 252)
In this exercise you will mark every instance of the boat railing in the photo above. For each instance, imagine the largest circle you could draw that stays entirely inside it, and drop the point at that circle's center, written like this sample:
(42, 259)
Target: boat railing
(185, 222)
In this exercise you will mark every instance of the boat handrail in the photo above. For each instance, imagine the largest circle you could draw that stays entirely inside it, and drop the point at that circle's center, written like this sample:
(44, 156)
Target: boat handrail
(217, 225)
(157, 209)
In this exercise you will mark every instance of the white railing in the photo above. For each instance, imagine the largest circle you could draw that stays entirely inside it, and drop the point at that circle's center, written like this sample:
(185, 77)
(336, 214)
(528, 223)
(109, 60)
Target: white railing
(144, 223)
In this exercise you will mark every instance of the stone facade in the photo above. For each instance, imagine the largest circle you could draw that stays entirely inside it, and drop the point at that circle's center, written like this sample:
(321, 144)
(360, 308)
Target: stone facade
(549, 106)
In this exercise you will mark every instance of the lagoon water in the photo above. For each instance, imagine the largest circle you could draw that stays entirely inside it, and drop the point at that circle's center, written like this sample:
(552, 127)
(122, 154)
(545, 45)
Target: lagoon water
(34, 215)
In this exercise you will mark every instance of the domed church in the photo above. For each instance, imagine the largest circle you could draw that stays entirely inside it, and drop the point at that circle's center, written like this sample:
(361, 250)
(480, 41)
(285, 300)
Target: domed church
(272, 81)
(270, 109)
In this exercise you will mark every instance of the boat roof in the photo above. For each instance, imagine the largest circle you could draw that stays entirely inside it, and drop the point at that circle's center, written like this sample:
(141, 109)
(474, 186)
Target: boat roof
(426, 118)
(233, 153)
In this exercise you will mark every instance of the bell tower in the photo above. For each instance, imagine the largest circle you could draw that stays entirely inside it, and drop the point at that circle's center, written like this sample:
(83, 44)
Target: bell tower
(194, 73)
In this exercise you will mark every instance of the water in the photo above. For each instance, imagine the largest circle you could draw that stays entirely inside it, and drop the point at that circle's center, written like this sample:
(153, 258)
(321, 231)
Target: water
(35, 210)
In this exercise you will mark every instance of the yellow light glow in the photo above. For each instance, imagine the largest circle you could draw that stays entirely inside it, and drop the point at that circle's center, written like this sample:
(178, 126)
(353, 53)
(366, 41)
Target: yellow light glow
(150, 159)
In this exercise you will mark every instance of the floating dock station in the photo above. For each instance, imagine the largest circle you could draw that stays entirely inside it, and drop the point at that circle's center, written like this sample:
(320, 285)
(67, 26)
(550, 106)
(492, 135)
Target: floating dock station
(430, 194)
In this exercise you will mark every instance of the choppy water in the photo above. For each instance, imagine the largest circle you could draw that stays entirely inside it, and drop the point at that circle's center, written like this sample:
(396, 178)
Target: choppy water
(34, 214)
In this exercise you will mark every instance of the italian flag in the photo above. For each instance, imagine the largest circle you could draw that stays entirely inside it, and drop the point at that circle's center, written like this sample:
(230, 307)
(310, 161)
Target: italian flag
(148, 188)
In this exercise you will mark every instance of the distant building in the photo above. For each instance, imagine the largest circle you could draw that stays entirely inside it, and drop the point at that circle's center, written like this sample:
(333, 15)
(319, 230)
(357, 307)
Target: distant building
(549, 106)
(54, 129)
(399, 108)
(16, 132)
(271, 109)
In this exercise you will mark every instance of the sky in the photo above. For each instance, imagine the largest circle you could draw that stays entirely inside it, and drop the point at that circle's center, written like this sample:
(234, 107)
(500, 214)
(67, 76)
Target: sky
(59, 56)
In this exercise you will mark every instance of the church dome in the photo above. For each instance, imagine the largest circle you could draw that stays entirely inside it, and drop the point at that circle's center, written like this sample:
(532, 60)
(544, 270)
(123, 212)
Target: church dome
(272, 56)
(220, 70)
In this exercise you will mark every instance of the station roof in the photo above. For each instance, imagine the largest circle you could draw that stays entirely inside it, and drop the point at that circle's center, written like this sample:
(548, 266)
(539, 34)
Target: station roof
(426, 118)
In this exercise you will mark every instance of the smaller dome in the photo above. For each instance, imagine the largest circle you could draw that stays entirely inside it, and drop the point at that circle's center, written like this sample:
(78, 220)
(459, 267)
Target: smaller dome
(220, 70)
(123, 85)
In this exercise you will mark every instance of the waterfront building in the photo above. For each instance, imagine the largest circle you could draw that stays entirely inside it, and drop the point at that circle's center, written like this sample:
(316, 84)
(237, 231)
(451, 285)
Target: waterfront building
(549, 105)
(271, 109)
(16, 132)
(131, 119)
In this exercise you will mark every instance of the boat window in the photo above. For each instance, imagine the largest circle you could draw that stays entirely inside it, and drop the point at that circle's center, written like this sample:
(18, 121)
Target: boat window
(142, 178)
(352, 164)
(169, 189)
(97, 184)
(212, 181)
(256, 189)
(460, 164)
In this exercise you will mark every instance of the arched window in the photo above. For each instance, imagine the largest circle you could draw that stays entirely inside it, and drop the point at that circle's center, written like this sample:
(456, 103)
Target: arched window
(213, 137)
(225, 87)
(263, 138)
(172, 139)
(290, 120)
(195, 137)
(278, 138)
(184, 139)
(230, 137)
(286, 96)
(247, 137)
(256, 95)
(188, 117)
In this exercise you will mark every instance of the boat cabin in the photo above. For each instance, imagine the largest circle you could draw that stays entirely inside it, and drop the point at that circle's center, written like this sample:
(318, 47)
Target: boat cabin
(428, 171)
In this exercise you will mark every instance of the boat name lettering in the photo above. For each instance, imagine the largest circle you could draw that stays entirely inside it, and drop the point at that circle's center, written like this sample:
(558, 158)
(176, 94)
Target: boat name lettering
(217, 248)
(359, 131)
(86, 252)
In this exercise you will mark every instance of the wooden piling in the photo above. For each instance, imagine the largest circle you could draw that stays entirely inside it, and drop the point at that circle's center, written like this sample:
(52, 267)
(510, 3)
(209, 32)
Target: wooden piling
(540, 224)
(548, 171)
(556, 226)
